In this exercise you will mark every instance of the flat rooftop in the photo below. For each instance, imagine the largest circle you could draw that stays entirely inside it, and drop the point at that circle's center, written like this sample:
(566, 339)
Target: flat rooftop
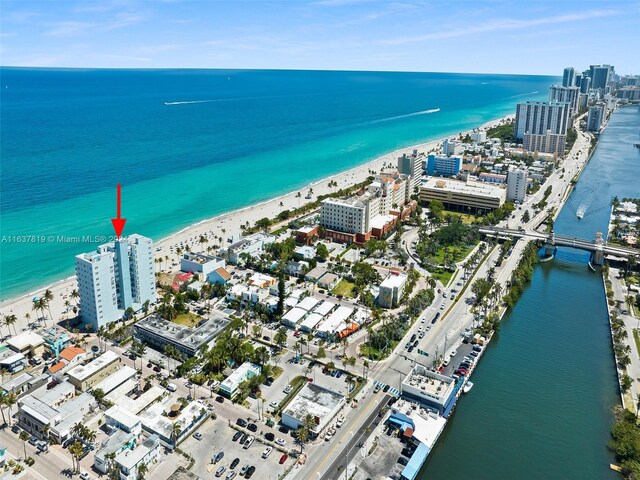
(315, 400)
(82, 372)
(200, 258)
(187, 336)
(466, 188)
(429, 383)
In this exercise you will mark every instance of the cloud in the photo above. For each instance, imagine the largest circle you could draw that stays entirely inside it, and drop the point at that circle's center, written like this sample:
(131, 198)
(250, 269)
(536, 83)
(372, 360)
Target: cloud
(496, 25)
(64, 29)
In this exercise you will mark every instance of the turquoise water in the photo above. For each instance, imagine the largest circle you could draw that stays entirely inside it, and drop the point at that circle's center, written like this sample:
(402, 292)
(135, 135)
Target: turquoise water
(69, 136)
(543, 393)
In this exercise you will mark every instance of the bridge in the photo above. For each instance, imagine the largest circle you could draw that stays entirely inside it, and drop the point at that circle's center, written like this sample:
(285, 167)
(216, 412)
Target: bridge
(598, 246)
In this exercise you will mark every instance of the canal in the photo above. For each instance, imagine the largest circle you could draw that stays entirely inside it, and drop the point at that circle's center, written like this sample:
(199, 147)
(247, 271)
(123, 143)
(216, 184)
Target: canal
(543, 394)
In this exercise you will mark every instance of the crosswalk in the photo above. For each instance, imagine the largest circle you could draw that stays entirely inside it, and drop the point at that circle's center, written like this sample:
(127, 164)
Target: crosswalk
(392, 391)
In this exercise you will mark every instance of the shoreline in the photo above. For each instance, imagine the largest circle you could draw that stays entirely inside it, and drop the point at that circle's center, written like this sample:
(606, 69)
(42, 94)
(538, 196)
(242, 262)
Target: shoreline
(228, 224)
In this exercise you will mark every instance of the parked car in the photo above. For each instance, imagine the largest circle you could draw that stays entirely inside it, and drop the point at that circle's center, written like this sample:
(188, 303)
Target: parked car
(15, 428)
(248, 443)
(33, 440)
(220, 470)
(267, 451)
(236, 436)
(43, 446)
(377, 389)
(231, 475)
(197, 436)
(250, 472)
(283, 458)
(241, 422)
(244, 469)
(287, 389)
(413, 337)
(266, 338)
(402, 460)
(84, 476)
(281, 442)
(453, 353)
(235, 463)
(220, 399)
(339, 374)
(273, 404)
(340, 422)
(269, 436)
(473, 353)
(252, 427)
(95, 348)
(218, 456)
(172, 387)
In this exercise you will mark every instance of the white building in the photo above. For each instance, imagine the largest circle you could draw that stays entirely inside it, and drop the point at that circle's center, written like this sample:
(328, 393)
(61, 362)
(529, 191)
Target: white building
(478, 137)
(129, 460)
(252, 245)
(463, 196)
(123, 419)
(570, 95)
(516, 184)
(320, 402)
(537, 118)
(293, 317)
(200, 263)
(247, 370)
(348, 215)
(115, 277)
(452, 147)
(391, 289)
(429, 388)
(411, 165)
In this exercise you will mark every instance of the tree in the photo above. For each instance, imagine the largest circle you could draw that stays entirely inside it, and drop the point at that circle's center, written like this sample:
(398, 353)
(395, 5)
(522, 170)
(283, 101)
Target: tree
(98, 394)
(281, 295)
(321, 353)
(625, 383)
(76, 450)
(302, 437)
(280, 337)
(322, 252)
(263, 224)
(176, 429)
(142, 470)
(24, 436)
(10, 320)
(10, 400)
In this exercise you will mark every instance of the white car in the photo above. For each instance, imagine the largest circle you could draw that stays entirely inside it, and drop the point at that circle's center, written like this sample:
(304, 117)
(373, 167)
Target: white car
(84, 476)
(328, 436)
(267, 452)
(288, 389)
(340, 422)
(273, 404)
(281, 442)
(453, 353)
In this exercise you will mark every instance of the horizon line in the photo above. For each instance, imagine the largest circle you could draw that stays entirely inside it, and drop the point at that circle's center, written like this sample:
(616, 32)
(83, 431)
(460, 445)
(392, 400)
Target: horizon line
(25, 67)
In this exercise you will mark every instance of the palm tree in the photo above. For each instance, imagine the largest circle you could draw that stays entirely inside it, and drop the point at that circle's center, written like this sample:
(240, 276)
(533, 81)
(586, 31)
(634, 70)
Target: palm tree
(302, 437)
(142, 470)
(11, 320)
(24, 436)
(10, 400)
(176, 429)
(76, 451)
(48, 296)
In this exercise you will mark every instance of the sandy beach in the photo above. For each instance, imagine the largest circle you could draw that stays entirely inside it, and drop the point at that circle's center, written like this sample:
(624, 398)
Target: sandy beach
(225, 226)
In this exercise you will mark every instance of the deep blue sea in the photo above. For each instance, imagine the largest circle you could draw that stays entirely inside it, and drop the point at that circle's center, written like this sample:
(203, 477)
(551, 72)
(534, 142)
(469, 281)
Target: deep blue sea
(190, 144)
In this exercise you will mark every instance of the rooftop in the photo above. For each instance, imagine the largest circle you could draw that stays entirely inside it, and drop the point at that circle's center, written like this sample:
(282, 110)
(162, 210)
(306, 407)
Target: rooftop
(116, 379)
(315, 400)
(394, 280)
(189, 337)
(130, 458)
(201, 258)
(468, 188)
(122, 416)
(82, 372)
(429, 383)
(70, 353)
(25, 340)
(16, 382)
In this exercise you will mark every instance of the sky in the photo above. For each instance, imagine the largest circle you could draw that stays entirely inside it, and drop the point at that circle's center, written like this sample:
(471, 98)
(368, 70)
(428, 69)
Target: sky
(524, 37)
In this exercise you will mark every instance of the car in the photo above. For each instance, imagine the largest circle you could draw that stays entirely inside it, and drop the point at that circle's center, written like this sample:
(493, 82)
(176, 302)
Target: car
(244, 469)
(220, 399)
(410, 349)
(407, 345)
(477, 348)
(252, 427)
(273, 404)
(415, 343)
(236, 436)
(437, 315)
(266, 338)
(250, 472)
(172, 387)
(473, 353)
(220, 471)
(377, 389)
(269, 436)
(241, 422)
(287, 389)
(340, 422)
(434, 320)
(218, 456)
(310, 380)
(339, 374)
(243, 438)
(15, 428)
(43, 446)
(197, 436)
(386, 388)
(33, 440)
(334, 373)
(413, 337)
(452, 296)
(84, 476)
(248, 442)
(283, 458)
(328, 436)
(402, 460)
(466, 366)
(444, 294)
(235, 463)
(446, 362)
(231, 475)
(95, 348)
(267, 451)
(296, 333)
(453, 353)
(268, 382)
(442, 306)
(281, 442)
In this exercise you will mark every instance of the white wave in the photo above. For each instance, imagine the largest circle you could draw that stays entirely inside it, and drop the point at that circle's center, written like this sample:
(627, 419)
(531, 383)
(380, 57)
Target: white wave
(412, 114)
(524, 94)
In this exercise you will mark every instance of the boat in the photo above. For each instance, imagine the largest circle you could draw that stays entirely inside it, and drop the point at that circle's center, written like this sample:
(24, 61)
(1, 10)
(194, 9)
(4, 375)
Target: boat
(581, 211)
(467, 386)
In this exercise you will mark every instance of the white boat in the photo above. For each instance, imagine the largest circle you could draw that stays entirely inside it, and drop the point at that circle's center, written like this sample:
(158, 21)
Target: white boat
(467, 386)
(581, 211)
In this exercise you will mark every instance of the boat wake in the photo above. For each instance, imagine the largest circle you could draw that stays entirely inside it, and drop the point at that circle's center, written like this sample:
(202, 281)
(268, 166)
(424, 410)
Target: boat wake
(189, 102)
(524, 94)
(406, 115)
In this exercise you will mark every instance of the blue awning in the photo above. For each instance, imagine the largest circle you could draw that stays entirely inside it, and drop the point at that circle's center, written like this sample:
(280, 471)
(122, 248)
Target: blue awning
(415, 462)
(401, 421)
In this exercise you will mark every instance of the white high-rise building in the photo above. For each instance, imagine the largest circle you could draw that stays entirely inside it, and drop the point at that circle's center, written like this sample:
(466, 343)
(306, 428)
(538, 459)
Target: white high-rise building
(516, 184)
(115, 277)
(565, 94)
(452, 147)
(539, 117)
(411, 165)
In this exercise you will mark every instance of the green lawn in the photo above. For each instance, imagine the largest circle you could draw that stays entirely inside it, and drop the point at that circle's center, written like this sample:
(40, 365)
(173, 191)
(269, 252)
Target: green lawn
(443, 275)
(636, 337)
(344, 288)
(458, 253)
(188, 319)
(374, 354)
(466, 217)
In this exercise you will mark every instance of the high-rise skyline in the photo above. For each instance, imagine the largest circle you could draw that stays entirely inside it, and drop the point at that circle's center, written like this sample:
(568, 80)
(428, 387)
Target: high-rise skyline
(568, 77)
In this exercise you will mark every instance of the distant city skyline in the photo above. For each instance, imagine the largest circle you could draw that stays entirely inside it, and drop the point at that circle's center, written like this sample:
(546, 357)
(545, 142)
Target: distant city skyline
(497, 37)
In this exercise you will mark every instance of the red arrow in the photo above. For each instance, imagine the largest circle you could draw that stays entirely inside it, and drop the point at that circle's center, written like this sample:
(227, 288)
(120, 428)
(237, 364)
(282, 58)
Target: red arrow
(118, 223)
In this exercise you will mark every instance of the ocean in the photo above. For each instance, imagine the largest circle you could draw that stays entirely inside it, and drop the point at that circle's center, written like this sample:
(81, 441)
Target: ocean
(187, 145)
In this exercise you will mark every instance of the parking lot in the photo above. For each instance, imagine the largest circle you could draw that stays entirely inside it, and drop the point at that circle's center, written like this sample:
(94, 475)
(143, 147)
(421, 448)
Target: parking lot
(217, 436)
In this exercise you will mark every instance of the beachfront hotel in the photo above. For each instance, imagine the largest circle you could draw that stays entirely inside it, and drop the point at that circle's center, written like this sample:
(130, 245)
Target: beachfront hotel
(114, 277)
(539, 117)
(411, 165)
